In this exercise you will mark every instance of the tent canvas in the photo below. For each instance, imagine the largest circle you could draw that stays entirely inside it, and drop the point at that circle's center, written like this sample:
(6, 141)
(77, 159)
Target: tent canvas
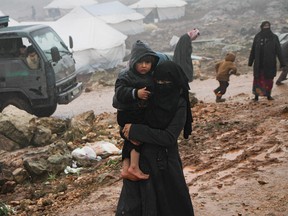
(58, 8)
(118, 16)
(160, 9)
(68, 4)
(96, 44)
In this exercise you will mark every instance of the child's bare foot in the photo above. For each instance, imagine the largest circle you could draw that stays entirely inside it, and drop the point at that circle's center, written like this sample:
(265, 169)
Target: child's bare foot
(138, 173)
(126, 175)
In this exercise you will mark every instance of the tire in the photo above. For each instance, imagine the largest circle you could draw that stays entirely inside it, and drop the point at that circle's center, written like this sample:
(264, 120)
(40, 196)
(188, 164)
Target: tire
(17, 102)
(45, 112)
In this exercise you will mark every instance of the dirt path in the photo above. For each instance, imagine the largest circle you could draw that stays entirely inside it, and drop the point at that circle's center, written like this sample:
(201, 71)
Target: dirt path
(100, 100)
(236, 162)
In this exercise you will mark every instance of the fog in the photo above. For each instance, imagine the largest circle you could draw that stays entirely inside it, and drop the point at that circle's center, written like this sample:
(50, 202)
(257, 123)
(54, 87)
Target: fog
(21, 10)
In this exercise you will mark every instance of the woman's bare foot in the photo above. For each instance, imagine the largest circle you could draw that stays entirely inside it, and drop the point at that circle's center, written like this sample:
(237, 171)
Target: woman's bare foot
(138, 173)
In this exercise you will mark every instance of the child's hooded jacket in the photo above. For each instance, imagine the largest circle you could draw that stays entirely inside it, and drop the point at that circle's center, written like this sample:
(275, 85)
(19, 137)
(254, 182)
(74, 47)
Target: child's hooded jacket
(226, 67)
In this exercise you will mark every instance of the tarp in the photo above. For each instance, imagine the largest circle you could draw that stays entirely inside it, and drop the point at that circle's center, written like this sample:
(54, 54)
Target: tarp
(283, 37)
(161, 9)
(58, 8)
(68, 4)
(118, 16)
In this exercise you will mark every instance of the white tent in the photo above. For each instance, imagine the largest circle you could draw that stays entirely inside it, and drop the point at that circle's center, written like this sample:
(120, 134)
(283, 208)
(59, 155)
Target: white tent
(96, 44)
(57, 8)
(282, 37)
(118, 16)
(160, 9)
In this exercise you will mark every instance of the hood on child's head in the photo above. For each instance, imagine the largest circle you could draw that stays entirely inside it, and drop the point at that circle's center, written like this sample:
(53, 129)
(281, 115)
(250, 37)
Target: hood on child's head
(230, 57)
(140, 50)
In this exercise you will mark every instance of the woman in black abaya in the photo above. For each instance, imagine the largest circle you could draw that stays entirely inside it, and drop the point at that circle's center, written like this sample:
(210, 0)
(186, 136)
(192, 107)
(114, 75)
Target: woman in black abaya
(265, 49)
(165, 193)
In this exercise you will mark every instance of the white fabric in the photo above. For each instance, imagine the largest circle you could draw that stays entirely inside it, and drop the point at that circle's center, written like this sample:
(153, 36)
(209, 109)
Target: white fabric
(171, 13)
(129, 28)
(84, 153)
(158, 3)
(96, 45)
(88, 31)
(68, 4)
(166, 9)
(117, 15)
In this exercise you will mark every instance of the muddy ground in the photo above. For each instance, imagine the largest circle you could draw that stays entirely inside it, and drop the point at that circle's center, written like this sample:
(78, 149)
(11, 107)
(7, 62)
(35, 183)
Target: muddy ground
(235, 162)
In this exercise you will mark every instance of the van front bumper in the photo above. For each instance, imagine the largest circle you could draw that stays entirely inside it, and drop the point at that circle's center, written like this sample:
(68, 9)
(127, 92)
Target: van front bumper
(69, 95)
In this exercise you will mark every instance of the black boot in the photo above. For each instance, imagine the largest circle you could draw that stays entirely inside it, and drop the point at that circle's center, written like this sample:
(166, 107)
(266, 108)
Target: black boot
(269, 97)
(256, 98)
(219, 99)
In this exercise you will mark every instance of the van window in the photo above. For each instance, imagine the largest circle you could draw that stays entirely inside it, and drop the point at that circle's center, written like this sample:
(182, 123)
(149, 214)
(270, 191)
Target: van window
(10, 47)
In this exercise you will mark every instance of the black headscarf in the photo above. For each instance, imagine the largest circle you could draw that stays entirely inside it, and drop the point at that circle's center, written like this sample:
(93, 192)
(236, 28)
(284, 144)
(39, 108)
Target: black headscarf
(170, 84)
(265, 32)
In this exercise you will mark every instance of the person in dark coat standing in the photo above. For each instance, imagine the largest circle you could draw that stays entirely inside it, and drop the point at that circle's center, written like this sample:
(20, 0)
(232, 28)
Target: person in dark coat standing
(283, 75)
(183, 52)
(165, 193)
(263, 56)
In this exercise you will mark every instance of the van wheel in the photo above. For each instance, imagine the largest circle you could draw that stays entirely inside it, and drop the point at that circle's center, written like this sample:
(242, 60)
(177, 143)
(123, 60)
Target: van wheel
(45, 112)
(17, 102)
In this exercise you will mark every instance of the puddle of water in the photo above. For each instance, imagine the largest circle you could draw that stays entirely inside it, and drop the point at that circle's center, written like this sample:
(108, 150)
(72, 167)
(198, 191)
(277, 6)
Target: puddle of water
(232, 155)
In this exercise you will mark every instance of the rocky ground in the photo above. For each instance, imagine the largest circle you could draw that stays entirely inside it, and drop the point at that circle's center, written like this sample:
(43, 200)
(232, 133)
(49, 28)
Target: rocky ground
(236, 161)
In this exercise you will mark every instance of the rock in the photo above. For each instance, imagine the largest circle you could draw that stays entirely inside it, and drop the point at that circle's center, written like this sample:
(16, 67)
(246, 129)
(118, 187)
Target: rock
(20, 175)
(15, 125)
(8, 144)
(49, 159)
(42, 136)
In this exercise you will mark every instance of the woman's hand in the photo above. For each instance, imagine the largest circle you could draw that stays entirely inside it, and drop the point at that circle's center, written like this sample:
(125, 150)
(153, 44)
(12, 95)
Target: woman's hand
(126, 131)
(137, 143)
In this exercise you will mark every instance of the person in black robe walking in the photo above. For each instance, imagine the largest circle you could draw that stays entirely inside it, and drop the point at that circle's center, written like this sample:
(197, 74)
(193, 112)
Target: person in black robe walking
(183, 51)
(165, 193)
(263, 56)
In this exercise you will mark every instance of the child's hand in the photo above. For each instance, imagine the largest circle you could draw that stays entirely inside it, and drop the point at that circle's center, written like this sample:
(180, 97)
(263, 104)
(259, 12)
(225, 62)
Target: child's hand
(143, 94)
